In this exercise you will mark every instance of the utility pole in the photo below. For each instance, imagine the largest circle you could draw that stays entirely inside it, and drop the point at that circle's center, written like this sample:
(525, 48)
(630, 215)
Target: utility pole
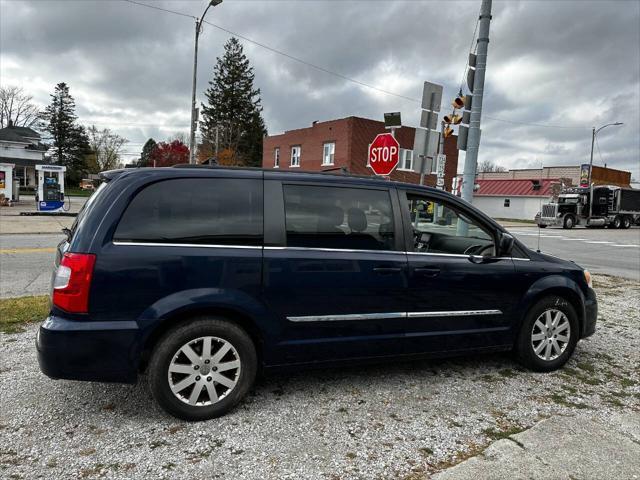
(194, 110)
(473, 142)
(192, 133)
(593, 139)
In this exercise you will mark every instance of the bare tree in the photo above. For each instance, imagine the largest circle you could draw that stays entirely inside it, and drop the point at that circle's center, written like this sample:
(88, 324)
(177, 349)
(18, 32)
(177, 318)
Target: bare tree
(106, 145)
(17, 107)
(490, 166)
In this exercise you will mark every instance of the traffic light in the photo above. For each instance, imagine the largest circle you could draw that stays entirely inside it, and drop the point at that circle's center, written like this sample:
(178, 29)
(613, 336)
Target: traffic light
(452, 118)
(458, 102)
(448, 131)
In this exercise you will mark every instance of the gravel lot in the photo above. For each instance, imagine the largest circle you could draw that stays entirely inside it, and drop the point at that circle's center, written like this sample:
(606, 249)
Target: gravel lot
(395, 421)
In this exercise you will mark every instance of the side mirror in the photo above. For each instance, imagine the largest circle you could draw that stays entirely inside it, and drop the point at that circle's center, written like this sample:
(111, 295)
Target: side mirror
(506, 245)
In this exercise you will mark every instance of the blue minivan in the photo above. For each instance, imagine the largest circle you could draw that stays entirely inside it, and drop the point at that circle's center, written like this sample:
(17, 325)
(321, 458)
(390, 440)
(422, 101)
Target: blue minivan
(200, 277)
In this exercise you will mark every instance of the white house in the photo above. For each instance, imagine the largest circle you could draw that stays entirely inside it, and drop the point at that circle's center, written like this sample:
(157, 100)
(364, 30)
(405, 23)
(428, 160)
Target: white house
(513, 199)
(21, 147)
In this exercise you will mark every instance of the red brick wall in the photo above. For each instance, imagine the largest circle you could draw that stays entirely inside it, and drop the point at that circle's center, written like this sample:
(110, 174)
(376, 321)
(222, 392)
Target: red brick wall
(352, 137)
(311, 140)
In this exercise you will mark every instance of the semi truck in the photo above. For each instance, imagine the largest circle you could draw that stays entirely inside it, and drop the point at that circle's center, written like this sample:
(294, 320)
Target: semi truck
(595, 206)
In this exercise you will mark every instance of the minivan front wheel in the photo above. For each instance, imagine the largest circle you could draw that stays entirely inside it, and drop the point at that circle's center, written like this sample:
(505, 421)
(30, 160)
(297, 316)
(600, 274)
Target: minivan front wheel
(202, 369)
(548, 334)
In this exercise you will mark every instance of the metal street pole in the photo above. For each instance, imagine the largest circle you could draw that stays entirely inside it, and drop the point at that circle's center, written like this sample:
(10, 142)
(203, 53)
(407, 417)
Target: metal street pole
(594, 132)
(473, 141)
(194, 119)
(423, 166)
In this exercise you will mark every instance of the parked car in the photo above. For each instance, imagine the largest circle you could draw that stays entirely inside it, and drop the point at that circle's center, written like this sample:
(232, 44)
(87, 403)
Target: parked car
(200, 277)
(87, 184)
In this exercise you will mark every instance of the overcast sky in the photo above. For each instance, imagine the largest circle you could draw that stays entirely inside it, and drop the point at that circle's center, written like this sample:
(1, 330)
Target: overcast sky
(567, 64)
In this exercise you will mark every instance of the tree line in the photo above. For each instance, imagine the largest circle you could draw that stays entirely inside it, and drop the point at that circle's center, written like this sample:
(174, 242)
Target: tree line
(231, 127)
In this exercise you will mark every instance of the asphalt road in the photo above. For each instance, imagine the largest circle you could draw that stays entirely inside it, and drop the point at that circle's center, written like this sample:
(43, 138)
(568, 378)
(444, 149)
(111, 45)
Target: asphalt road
(614, 252)
(26, 261)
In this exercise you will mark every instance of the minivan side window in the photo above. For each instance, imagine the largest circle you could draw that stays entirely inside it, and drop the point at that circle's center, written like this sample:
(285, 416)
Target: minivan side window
(217, 211)
(338, 218)
(440, 228)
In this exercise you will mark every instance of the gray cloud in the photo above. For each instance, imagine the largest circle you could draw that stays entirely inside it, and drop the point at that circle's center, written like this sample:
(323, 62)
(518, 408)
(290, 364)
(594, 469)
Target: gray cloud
(565, 63)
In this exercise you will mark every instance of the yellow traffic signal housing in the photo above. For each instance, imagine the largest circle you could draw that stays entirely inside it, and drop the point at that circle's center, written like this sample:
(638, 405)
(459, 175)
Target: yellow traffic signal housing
(458, 102)
(452, 118)
(447, 132)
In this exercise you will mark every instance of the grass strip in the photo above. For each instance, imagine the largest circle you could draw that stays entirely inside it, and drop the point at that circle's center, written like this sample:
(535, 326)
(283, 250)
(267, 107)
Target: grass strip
(15, 313)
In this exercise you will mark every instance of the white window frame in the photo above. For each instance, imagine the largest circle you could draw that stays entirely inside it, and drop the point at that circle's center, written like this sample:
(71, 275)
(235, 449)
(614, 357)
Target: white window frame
(403, 163)
(295, 159)
(276, 157)
(328, 160)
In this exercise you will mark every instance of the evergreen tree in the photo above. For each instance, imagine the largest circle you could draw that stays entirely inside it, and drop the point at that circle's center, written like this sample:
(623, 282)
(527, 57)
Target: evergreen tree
(147, 150)
(234, 107)
(70, 141)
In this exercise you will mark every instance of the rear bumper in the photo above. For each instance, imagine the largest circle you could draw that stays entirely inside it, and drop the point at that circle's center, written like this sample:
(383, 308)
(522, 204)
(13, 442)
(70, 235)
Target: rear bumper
(96, 351)
(590, 313)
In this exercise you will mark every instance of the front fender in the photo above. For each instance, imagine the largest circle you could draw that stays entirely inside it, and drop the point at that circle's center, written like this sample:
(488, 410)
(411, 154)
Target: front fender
(554, 284)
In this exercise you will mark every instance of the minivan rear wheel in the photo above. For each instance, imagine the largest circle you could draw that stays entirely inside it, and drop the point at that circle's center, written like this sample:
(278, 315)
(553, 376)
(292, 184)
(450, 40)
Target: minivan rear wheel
(548, 335)
(202, 369)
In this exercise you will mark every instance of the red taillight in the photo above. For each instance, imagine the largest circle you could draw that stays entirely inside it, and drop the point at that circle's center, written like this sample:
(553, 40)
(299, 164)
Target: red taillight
(72, 282)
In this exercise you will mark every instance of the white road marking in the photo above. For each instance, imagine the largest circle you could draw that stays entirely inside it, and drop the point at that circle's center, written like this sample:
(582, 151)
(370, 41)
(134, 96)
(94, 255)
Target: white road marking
(637, 246)
(574, 239)
(599, 241)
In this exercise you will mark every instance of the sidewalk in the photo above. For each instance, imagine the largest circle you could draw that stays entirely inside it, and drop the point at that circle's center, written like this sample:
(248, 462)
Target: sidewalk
(11, 222)
(560, 448)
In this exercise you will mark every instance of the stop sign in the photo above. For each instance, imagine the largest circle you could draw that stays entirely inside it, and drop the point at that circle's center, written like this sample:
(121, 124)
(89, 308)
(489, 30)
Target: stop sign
(384, 154)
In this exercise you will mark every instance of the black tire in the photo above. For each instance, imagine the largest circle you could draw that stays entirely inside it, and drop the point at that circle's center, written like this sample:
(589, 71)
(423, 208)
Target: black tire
(626, 222)
(569, 222)
(174, 340)
(524, 348)
(617, 222)
(542, 226)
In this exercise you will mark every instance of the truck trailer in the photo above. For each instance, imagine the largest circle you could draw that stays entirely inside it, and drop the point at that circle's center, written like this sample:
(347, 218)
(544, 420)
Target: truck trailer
(613, 207)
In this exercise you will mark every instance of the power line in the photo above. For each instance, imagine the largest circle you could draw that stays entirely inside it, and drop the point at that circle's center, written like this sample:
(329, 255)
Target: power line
(309, 64)
(466, 67)
(160, 8)
(344, 77)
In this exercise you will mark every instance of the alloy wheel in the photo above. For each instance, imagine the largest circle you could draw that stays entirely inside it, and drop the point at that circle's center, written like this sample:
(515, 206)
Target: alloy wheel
(550, 334)
(204, 371)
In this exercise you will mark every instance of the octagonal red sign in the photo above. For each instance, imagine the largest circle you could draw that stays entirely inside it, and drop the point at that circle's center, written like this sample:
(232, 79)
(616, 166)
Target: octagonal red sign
(384, 154)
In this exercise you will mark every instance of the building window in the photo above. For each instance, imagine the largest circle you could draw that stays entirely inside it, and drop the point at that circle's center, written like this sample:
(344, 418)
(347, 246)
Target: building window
(507, 202)
(295, 156)
(276, 157)
(406, 159)
(328, 153)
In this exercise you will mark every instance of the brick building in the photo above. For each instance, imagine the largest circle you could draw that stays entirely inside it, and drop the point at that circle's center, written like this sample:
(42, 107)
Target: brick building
(344, 143)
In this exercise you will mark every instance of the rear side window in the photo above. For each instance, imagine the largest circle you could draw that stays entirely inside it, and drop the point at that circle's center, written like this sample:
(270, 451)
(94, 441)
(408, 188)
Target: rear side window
(219, 211)
(338, 218)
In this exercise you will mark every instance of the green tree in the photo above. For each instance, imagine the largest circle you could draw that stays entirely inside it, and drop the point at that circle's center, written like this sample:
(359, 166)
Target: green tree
(70, 141)
(147, 150)
(234, 108)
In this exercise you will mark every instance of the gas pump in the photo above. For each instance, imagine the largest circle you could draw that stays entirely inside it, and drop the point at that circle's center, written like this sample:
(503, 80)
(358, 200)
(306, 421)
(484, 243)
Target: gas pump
(50, 195)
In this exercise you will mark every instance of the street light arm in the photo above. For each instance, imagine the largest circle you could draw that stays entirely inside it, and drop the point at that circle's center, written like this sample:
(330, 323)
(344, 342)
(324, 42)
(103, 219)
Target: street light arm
(607, 125)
